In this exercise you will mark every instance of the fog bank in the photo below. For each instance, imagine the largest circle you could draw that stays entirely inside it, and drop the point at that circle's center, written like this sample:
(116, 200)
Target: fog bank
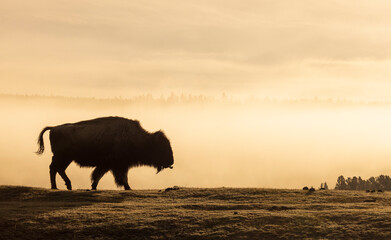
(215, 142)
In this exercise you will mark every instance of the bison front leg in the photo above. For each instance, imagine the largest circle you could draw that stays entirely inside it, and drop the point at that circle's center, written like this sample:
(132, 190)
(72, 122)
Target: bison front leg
(96, 175)
(126, 185)
(121, 178)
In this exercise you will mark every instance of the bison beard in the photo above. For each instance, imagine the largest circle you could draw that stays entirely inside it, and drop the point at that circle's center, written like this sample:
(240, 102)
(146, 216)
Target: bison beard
(109, 144)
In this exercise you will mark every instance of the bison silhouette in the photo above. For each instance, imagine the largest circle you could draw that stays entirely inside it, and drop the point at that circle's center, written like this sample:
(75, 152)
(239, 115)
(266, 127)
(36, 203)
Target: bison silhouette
(109, 144)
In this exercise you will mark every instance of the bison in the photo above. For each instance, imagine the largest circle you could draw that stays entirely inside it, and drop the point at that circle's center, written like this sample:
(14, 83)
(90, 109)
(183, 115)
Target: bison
(109, 144)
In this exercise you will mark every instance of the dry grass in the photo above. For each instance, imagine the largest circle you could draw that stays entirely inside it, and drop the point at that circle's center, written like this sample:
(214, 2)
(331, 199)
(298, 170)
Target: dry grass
(188, 213)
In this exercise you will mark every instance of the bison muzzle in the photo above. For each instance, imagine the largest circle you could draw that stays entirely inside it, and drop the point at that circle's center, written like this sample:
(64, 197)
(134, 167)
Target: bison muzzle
(109, 144)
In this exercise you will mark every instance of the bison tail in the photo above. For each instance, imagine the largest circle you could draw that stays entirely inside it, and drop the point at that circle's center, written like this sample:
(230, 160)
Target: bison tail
(41, 148)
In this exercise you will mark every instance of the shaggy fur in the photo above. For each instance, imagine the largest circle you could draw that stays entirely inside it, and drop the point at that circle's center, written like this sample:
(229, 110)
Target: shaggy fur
(109, 144)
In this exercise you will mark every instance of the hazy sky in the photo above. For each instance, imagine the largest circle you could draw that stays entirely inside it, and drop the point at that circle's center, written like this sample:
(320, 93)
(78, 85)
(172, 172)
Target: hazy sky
(262, 48)
(274, 48)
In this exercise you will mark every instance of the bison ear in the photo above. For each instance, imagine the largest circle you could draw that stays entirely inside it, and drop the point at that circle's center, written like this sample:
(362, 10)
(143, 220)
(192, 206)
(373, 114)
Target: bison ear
(159, 137)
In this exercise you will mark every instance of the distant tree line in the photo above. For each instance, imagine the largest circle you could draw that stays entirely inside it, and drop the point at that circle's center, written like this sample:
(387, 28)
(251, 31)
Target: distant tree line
(187, 98)
(324, 186)
(382, 182)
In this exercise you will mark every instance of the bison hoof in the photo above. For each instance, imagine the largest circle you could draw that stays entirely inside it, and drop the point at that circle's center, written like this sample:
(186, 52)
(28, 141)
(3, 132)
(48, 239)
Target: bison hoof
(54, 188)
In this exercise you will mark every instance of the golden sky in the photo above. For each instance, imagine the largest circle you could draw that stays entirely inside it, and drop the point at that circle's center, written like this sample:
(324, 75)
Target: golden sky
(273, 48)
(263, 48)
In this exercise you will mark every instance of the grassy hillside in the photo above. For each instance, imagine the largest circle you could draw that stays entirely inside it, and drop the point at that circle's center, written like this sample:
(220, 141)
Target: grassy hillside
(35, 213)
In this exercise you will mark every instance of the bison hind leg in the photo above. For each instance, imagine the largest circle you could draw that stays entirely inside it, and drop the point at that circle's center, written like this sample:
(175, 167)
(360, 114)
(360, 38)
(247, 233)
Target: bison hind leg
(59, 165)
(61, 171)
(53, 172)
(96, 175)
(121, 178)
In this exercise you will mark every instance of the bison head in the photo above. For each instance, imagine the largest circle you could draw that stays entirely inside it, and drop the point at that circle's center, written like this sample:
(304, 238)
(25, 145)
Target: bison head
(163, 152)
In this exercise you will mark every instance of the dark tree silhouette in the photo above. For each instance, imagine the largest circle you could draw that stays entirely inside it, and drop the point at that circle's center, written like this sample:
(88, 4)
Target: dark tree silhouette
(382, 182)
(341, 183)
